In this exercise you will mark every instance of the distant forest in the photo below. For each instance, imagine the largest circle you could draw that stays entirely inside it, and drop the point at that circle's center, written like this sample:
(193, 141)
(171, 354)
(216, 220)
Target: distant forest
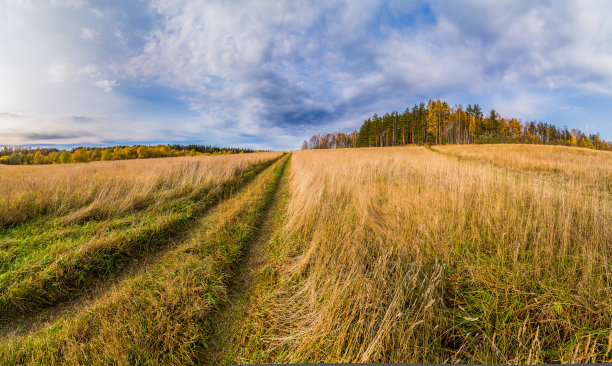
(438, 123)
(24, 155)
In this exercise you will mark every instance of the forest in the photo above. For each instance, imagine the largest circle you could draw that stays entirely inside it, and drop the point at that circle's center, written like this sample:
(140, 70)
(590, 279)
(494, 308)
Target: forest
(29, 156)
(438, 123)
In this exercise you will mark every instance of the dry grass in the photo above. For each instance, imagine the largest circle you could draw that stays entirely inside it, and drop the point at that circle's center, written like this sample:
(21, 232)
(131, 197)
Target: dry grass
(162, 315)
(84, 191)
(43, 264)
(407, 255)
(379, 255)
(588, 167)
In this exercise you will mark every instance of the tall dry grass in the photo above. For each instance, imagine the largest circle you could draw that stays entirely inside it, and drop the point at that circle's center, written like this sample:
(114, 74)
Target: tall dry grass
(407, 255)
(161, 315)
(591, 168)
(94, 190)
(43, 264)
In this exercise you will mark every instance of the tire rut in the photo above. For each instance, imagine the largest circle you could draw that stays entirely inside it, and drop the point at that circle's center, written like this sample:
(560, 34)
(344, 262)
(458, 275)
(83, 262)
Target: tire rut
(31, 321)
(243, 281)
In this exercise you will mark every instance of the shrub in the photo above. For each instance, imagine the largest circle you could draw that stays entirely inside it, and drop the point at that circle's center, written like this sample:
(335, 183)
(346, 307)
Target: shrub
(15, 159)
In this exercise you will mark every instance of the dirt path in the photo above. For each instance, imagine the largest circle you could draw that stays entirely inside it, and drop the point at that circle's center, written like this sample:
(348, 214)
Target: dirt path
(555, 179)
(44, 316)
(228, 319)
(30, 322)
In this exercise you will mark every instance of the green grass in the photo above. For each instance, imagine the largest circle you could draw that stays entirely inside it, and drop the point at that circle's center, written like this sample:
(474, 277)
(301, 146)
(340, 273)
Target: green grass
(408, 256)
(508, 303)
(245, 343)
(162, 316)
(39, 271)
(503, 290)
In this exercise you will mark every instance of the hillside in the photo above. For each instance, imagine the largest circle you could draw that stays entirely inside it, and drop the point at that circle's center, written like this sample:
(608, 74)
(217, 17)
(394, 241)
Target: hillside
(438, 123)
(497, 254)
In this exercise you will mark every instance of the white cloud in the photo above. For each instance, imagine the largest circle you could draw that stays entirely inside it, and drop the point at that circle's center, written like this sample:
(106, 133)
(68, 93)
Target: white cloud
(97, 12)
(59, 71)
(107, 85)
(69, 3)
(255, 70)
(49, 72)
(87, 33)
(251, 57)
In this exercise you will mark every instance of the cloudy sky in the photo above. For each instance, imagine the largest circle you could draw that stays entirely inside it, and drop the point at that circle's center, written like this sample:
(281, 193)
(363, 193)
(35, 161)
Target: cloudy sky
(271, 73)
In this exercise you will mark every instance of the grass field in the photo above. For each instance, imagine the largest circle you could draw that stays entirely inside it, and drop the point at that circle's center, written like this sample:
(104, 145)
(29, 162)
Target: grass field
(453, 254)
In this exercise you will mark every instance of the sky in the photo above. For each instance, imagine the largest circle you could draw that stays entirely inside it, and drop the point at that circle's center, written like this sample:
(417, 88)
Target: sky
(269, 74)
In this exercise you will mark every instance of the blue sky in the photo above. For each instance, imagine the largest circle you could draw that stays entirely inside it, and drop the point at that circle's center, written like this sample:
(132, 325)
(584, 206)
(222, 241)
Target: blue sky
(268, 74)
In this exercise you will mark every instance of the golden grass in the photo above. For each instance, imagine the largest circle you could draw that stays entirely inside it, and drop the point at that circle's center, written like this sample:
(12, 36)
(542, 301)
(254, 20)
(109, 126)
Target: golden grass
(43, 264)
(474, 254)
(407, 255)
(160, 316)
(591, 168)
(103, 190)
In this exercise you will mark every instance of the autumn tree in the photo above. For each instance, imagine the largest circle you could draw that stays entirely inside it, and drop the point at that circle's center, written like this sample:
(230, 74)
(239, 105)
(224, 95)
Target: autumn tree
(143, 152)
(107, 154)
(437, 123)
(438, 119)
(586, 142)
(15, 159)
(96, 154)
(80, 156)
(65, 157)
(39, 158)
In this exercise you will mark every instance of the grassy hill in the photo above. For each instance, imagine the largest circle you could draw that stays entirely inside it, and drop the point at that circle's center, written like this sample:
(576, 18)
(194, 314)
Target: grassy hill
(467, 254)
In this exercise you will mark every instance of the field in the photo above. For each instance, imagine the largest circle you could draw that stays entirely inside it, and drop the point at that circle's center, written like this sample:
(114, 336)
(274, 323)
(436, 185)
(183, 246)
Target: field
(498, 254)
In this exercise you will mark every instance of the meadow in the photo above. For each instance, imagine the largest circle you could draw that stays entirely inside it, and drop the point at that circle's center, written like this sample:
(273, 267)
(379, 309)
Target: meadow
(498, 254)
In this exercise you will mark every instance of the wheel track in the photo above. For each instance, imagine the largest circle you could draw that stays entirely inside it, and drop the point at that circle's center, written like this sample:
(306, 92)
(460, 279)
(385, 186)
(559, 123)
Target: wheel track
(25, 322)
(227, 319)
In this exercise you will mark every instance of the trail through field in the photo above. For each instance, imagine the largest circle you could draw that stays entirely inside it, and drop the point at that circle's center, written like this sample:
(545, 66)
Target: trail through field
(385, 255)
(411, 255)
(228, 320)
(136, 264)
(31, 322)
(593, 176)
(163, 313)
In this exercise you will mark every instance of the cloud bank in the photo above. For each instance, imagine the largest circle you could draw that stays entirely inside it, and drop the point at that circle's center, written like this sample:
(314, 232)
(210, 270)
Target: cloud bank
(270, 73)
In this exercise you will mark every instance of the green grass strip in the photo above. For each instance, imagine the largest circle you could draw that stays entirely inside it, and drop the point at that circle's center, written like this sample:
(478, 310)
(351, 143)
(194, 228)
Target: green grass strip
(164, 315)
(69, 276)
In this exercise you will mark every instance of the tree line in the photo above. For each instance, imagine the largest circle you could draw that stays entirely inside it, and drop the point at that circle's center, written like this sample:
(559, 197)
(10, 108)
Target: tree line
(439, 123)
(23, 155)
